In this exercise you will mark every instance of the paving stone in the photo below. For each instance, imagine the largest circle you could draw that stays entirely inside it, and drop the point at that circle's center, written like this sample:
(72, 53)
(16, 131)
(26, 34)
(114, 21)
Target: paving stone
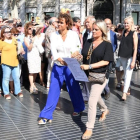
(18, 116)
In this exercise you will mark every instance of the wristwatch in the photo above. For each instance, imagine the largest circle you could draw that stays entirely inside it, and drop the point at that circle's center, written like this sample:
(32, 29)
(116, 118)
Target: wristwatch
(90, 67)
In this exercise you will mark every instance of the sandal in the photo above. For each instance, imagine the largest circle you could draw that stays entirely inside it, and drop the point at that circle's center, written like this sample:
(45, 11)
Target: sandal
(35, 88)
(128, 93)
(42, 84)
(103, 116)
(12, 91)
(31, 90)
(44, 121)
(86, 137)
(124, 96)
(75, 114)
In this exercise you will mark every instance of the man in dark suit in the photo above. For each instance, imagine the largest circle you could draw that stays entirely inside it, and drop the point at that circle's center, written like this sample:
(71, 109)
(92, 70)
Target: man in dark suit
(113, 39)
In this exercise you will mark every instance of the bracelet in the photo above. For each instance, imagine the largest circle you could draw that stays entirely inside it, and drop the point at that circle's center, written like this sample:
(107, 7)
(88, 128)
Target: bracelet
(90, 67)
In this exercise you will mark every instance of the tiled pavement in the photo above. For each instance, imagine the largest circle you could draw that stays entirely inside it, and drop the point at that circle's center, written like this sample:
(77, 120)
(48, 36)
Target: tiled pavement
(18, 117)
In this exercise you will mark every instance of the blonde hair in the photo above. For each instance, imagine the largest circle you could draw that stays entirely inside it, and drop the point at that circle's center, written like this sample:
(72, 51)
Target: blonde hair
(132, 21)
(102, 26)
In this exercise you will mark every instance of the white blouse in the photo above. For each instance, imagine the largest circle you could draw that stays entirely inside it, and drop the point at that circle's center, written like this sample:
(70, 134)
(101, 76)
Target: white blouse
(64, 49)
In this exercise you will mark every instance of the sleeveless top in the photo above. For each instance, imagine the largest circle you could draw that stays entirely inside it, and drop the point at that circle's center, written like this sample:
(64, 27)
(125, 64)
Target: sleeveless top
(127, 45)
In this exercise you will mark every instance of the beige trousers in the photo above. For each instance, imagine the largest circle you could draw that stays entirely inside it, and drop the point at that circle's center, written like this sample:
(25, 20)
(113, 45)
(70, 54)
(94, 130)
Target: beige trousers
(94, 98)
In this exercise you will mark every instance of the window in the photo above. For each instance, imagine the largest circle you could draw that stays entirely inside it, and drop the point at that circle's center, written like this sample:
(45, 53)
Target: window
(135, 17)
(50, 13)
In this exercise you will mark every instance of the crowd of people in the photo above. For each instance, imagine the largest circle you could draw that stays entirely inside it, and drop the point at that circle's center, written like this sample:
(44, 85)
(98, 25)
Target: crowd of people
(38, 50)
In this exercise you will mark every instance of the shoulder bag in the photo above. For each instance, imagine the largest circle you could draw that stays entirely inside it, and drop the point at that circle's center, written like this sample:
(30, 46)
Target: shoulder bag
(95, 77)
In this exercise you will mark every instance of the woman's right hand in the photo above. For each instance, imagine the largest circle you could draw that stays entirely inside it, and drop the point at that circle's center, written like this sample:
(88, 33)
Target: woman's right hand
(63, 63)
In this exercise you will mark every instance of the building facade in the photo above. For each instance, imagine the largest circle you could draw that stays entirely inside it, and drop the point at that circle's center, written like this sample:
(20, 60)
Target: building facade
(116, 10)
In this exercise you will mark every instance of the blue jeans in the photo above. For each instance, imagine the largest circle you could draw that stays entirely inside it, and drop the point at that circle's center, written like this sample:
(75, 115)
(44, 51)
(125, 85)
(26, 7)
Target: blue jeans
(58, 75)
(7, 70)
(1, 77)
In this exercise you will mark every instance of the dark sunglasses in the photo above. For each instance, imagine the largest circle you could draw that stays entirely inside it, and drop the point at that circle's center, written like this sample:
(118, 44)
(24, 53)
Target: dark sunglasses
(16, 34)
(19, 26)
(7, 32)
(29, 28)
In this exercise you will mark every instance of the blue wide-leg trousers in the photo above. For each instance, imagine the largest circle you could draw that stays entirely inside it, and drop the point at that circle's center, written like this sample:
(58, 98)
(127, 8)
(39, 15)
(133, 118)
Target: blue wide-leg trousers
(58, 75)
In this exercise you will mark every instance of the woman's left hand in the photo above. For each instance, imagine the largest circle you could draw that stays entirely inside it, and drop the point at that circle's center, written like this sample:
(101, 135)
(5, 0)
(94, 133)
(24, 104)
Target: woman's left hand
(132, 65)
(73, 55)
(84, 67)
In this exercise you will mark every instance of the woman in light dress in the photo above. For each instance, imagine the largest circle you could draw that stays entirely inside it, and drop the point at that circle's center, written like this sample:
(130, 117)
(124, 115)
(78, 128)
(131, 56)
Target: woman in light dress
(33, 55)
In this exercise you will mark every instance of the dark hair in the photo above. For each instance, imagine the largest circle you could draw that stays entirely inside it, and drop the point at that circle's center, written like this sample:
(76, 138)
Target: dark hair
(27, 25)
(47, 17)
(2, 32)
(75, 19)
(67, 18)
(120, 27)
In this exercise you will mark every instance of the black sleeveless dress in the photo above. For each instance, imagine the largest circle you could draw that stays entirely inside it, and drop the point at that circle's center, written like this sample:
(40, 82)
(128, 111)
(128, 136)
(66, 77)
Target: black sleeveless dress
(127, 45)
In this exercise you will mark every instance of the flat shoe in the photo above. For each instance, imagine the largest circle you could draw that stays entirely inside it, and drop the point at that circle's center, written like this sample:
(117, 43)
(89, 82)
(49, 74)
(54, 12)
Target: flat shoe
(128, 93)
(86, 137)
(76, 114)
(103, 116)
(124, 96)
(42, 121)
(7, 97)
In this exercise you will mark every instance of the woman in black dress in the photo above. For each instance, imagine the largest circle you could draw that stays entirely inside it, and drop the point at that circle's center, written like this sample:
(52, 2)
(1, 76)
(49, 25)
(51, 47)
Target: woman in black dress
(101, 56)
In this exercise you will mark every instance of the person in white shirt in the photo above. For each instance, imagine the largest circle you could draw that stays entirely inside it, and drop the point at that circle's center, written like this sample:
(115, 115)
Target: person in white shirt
(64, 44)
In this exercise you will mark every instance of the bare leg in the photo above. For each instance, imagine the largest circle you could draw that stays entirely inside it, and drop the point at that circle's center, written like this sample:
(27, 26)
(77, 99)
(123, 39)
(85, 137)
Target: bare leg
(34, 75)
(11, 83)
(31, 80)
(41, 74)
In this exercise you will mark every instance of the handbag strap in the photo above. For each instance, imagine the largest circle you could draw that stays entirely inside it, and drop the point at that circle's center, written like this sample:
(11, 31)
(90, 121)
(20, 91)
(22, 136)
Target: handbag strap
(90, 52)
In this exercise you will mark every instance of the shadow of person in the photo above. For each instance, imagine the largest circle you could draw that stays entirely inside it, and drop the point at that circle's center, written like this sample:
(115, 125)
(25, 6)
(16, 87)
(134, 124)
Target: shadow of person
(79, 123)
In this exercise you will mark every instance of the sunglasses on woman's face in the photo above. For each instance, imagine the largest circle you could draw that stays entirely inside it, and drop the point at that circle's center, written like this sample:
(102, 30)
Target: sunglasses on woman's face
(7, 32)
(16, 34)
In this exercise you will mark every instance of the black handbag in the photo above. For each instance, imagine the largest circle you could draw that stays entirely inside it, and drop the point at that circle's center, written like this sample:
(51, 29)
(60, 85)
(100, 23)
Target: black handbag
(95, 77)
(21, 59)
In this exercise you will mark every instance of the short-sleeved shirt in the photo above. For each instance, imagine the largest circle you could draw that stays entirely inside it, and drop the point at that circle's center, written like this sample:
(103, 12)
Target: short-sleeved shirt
(103, 51)
(9, 53)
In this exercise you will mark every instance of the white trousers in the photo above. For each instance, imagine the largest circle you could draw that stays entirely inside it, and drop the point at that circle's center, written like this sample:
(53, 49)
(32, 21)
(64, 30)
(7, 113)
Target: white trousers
(126, 62)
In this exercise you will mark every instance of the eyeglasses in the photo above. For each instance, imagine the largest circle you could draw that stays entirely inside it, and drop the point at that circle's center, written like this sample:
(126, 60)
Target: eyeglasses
(16, 34)
(19, 26)
(7, 32)
(29, 28)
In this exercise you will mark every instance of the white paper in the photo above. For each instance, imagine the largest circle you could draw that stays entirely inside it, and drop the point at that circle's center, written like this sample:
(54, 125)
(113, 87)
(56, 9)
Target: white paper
(74, 66)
